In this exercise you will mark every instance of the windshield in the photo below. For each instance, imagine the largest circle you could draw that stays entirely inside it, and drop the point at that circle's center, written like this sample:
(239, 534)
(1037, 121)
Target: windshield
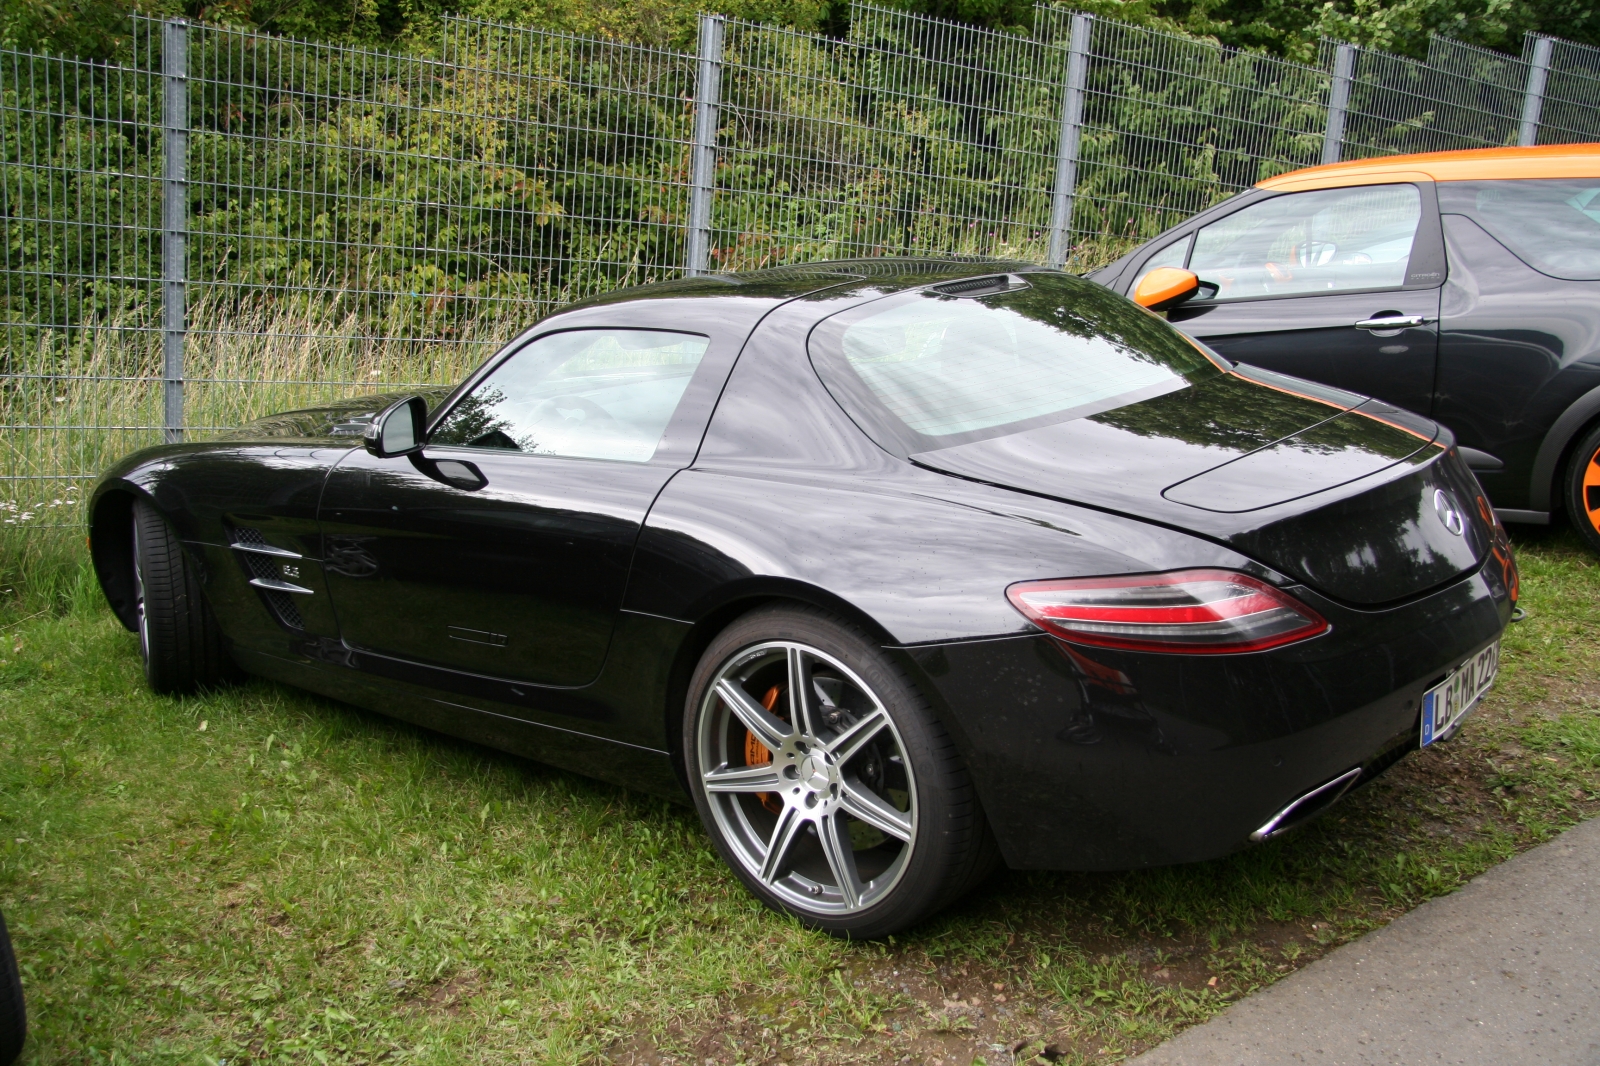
(921, 371)
(1552, 224)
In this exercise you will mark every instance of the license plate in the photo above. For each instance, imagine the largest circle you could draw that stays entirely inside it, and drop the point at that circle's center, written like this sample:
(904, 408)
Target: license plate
(1445, 704)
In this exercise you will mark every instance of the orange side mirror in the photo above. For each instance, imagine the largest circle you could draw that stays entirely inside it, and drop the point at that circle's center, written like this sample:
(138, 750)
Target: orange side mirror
(1165, 287)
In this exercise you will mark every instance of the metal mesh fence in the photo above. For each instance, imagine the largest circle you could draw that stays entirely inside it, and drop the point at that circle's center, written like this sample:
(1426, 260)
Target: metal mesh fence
(80, 367)
(321, 185)
(597, 136)
(911, 137)
(1398, 104)
(230, 223)
(1171, 125)
(1570, 106)
(359, 217)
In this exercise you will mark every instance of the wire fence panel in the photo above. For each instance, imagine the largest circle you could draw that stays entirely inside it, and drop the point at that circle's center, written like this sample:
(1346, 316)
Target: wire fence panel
(362, 218)
(1173, 124)
(1398, 104)
(1498, 81)
(975, 118)
(912, 137)
(1570, 110)
(232, 223)
(327, 189)
(598, 135)
(80, 353)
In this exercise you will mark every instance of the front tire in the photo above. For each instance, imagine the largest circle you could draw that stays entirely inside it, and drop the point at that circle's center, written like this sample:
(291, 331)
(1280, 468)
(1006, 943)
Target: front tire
(847, 807)
(1583, 488)
(179, 639)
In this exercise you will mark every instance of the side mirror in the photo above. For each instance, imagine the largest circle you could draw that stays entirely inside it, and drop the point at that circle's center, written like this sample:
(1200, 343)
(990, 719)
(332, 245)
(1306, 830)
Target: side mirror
(398, 429)
(1166, 287)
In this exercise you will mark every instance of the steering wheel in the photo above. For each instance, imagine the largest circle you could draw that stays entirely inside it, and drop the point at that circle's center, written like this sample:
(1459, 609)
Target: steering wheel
(558, 410)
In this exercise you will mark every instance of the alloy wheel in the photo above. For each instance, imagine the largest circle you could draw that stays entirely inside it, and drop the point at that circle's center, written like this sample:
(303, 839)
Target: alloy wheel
(807, 778)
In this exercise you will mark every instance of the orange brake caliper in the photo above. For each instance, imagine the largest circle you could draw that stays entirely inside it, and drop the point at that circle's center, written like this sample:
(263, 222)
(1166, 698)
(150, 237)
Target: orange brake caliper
(1591, 489)
(756, 754)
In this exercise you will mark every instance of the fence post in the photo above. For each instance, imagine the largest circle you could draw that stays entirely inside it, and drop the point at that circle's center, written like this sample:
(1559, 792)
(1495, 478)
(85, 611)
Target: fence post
(1533, 96)
(1344, 67)
(1068, 141)
(707, 98)
(174, 218)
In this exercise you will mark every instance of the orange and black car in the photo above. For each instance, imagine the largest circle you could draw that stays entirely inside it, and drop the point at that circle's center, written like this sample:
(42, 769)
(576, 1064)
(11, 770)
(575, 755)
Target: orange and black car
(1460, 285)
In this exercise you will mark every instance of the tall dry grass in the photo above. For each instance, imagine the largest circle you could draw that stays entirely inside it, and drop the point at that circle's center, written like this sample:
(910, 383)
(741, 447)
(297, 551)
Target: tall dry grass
(75, 401)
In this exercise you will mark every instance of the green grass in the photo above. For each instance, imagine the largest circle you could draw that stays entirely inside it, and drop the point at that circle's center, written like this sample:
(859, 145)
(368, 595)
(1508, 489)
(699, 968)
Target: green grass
(263, 876)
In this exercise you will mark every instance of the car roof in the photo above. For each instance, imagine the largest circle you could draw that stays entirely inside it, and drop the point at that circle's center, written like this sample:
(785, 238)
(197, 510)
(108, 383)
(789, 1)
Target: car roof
(1476, 164)
(777, 284)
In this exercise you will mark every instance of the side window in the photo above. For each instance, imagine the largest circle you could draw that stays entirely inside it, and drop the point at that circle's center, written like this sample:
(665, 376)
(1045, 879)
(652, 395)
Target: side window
(1552, 224)
(1172, 255)
(587, 394)
(1330, 240)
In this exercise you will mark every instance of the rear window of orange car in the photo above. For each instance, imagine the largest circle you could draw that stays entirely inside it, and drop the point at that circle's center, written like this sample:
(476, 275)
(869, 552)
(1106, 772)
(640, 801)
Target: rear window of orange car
(1551, 224)
(922, 370)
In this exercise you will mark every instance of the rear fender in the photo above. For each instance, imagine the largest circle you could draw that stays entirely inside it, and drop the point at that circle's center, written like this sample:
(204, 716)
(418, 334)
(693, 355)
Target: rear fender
(719, 611)
(1552, 458)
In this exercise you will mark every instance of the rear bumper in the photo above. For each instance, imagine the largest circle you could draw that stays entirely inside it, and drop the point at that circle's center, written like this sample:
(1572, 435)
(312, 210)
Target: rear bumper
(1090, 759)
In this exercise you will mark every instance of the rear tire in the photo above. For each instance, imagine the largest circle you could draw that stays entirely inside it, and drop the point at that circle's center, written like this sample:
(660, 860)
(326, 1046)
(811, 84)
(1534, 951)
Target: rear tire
(1583, 488)
(13, 1014)
(870, 808)
(182, 646)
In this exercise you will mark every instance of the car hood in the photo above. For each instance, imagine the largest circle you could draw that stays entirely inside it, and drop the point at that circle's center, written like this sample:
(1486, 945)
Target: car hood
(1361, 501)
(339, 420)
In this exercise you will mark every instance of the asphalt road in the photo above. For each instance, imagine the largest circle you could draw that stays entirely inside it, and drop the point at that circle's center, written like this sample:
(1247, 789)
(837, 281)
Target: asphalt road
(1504, 972)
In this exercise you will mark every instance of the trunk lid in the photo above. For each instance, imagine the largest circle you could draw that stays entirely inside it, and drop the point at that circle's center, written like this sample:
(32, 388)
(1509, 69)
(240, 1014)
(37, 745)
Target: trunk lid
(1356, 499)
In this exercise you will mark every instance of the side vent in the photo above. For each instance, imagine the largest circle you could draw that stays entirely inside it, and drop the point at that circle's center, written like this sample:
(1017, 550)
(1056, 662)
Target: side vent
(264, 563)
(987, 285)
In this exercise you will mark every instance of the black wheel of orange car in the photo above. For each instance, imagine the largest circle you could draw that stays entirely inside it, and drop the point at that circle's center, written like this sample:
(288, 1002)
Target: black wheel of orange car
(825, 780)
(182, 646)
(1583, 488)
(13, 1014)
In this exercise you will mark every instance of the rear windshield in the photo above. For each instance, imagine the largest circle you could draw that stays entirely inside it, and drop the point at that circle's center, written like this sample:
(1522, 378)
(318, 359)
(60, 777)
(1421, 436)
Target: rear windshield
(1552, 224)
(920, 371)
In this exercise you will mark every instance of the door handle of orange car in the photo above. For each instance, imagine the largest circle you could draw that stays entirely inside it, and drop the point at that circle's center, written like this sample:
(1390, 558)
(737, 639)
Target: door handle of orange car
(1392, 322)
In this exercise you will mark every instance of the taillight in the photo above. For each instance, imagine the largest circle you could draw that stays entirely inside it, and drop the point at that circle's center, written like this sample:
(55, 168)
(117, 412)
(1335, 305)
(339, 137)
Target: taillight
(1194, 612)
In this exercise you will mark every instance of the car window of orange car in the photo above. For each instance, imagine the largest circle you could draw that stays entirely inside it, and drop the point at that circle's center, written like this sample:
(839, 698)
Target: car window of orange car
(1552, 224)
(1329, 240)
(1173, 255)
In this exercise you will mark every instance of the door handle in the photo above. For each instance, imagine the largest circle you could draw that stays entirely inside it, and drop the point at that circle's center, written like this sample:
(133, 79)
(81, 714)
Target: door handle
(1392, 322)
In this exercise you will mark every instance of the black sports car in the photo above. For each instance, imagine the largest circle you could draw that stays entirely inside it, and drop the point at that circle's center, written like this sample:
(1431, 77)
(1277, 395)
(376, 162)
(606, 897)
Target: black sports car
(898, 568)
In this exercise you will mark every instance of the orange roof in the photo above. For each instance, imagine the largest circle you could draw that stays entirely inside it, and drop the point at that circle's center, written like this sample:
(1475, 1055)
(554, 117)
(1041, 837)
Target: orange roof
(1477, 164)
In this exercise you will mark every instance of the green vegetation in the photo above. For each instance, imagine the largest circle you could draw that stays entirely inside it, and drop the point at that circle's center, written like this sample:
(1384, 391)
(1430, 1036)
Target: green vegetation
(1285, 27)
(263, 876)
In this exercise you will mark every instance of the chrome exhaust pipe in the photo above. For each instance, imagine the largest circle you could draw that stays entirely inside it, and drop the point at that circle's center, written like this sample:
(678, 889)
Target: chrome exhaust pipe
(1307, 806)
